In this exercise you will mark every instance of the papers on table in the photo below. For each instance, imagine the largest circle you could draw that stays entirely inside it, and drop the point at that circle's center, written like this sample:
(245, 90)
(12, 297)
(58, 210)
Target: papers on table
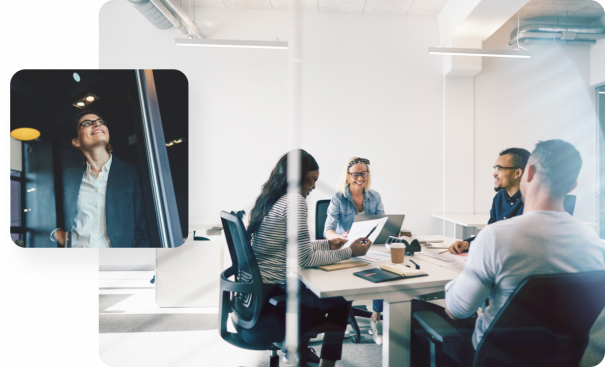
(447, 260)
(361, 230)
(373, 257)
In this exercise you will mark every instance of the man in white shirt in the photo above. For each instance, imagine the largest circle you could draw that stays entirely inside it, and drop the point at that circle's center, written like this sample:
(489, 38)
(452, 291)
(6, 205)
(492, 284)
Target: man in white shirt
(544, 240)
(102, 200)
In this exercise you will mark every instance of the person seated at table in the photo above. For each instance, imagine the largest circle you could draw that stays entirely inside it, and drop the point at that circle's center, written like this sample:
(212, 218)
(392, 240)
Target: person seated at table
(355, 197)
(508, 202)
(268, 231)
(544, 240)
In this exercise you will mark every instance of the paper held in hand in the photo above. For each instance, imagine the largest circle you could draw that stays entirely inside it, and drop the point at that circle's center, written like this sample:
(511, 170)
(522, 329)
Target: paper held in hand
(361, 230)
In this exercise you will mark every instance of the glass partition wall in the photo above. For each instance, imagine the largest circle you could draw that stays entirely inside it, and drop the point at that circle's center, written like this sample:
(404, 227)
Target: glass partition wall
(600, 134)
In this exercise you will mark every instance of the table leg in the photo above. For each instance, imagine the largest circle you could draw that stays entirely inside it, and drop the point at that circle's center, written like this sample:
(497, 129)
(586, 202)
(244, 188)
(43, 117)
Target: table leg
(396, 332)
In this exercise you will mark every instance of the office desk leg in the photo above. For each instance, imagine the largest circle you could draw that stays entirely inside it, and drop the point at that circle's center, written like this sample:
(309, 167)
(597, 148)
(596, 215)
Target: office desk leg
(396, 336)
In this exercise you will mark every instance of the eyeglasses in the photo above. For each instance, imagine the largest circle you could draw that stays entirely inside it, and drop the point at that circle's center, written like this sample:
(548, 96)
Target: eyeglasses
(356, 175)
(89, 123)
(498, 168)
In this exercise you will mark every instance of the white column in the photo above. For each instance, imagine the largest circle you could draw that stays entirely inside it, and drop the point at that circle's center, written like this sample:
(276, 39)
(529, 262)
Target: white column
(396, 334)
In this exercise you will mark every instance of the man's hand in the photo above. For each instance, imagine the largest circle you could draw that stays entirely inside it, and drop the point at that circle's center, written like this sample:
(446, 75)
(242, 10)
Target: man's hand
(60, 235)
(360, 247)
(337, 242)
(458, 246)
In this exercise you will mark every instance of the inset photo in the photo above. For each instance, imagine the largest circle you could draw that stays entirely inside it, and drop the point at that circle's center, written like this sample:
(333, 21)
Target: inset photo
(99, 158)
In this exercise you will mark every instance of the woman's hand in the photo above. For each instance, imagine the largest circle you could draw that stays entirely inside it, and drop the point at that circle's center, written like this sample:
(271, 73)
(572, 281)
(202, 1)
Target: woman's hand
(360, 247)
(337, 242)
(60, 235)
(344, 235)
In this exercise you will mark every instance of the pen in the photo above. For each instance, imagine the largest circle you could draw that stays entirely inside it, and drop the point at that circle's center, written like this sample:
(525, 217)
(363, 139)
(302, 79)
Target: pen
(444, 251)
(369, 234)
(417, 266)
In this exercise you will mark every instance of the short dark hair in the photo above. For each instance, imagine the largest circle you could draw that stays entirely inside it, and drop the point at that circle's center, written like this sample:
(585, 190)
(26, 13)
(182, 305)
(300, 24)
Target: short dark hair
(558, 163)
(520, 156)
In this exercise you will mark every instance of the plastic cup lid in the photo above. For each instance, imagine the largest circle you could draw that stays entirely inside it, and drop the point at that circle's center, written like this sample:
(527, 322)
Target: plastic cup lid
(397, 245)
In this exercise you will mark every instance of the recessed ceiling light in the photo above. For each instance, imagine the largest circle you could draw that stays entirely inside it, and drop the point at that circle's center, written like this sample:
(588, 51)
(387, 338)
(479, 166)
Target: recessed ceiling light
(90, 98)
(25, 134)
(76, 77)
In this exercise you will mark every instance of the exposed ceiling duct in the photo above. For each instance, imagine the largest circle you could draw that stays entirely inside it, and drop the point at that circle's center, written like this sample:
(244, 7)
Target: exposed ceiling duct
(549, 33)
(165, 14)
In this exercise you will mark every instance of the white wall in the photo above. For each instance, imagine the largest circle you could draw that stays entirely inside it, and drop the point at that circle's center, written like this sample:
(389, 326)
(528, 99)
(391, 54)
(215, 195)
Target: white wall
(597, 58)
(521, 101)
(16, 160)
(370, 89)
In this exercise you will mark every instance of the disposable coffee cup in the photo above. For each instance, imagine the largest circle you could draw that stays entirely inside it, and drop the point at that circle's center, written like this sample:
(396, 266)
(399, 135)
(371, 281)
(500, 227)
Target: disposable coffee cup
(405, 232)
(397, 253)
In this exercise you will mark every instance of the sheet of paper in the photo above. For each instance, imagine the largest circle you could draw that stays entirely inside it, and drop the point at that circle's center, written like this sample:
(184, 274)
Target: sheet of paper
(361, 230)
(373, 257)
(447, 259)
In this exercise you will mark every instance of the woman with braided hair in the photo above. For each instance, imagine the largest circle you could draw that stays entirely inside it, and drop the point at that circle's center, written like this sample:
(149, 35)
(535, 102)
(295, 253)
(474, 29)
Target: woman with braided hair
(355, 197)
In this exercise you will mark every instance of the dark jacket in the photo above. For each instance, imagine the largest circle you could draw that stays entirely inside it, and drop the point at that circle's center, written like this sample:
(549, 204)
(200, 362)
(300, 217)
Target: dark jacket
(124, 208)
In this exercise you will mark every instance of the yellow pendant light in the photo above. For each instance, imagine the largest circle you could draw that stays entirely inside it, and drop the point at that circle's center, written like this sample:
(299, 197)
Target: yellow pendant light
(25, 134)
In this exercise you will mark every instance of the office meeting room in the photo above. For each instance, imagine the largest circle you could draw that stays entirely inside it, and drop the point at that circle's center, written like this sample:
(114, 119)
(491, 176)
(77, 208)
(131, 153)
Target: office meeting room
(404, 183)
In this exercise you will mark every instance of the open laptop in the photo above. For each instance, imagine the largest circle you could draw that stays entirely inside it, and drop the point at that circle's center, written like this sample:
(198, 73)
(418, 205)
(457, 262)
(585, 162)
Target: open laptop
(391, 227)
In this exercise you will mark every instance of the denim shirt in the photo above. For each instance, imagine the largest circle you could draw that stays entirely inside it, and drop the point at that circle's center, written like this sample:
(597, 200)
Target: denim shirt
(342, 211)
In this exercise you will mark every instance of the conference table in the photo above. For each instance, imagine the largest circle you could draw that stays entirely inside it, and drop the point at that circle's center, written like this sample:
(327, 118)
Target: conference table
(397, 313)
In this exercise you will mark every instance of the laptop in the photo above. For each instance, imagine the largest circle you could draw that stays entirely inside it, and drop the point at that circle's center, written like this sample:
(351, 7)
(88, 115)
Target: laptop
(391, 227)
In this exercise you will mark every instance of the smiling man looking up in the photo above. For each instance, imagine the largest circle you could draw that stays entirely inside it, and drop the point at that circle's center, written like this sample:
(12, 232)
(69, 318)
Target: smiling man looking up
(507, 203)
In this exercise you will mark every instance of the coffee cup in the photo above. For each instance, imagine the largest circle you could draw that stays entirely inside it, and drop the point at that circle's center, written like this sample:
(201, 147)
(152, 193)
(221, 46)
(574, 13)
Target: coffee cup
(405, 232)
(397, 253)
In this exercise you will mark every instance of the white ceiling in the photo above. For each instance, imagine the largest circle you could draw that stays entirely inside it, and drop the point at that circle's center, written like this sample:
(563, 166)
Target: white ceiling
(580, 11)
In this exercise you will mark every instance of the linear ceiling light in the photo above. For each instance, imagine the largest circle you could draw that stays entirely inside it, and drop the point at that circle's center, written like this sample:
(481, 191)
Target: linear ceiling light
(231, 43)
(479, 52)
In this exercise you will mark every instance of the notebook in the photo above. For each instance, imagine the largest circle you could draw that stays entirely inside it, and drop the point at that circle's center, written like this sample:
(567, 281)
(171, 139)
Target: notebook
(378, 275)
(345, 264)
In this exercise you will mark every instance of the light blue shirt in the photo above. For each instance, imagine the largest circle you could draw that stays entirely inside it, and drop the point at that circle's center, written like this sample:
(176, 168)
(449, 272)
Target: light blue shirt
(507, 252)
(342, 211)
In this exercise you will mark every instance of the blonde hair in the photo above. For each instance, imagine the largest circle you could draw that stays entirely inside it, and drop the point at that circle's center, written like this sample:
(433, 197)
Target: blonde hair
(344, 177)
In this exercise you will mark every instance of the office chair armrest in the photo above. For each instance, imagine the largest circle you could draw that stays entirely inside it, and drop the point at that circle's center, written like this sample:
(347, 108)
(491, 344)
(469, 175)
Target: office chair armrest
(277, 299)
(230, 286)
(437, 327)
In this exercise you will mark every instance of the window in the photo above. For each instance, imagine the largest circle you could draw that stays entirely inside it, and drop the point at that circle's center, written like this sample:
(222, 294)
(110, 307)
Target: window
(17, 218)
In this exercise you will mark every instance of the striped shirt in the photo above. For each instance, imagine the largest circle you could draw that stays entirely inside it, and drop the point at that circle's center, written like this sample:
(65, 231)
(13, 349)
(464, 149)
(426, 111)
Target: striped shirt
(270, 239)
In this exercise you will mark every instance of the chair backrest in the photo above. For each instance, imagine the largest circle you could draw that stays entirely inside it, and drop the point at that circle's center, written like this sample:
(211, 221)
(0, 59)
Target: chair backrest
(545, 322)
(569, 204)
(321, 214)
(245, 269)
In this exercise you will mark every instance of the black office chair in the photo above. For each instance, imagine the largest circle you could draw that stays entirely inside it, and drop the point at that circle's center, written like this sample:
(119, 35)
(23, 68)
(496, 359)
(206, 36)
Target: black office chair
(257, 317)
(569, 203)
(321, 213)
(545, 322)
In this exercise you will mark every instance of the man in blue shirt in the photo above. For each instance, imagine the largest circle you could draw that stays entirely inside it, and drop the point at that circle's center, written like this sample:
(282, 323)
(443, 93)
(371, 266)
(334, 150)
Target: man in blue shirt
(507, 203)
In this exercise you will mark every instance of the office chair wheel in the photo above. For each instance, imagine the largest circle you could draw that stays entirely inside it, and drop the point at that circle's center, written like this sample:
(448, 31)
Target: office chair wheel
(274, 361)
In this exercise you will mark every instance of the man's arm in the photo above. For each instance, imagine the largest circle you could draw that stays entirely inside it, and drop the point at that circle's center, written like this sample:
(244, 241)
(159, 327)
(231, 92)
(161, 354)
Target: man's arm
(470, 289)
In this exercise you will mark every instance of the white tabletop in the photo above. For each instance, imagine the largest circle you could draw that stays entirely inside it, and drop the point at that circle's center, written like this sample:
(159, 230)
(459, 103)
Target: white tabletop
(344, 283)
(466, 220)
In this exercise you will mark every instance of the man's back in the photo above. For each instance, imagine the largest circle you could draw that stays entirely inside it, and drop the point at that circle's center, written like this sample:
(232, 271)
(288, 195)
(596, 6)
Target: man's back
(505, 253)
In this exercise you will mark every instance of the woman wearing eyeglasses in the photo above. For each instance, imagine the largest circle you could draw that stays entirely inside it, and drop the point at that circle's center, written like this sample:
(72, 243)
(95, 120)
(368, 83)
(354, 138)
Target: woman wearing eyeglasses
(355, 197)
(102, 199)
